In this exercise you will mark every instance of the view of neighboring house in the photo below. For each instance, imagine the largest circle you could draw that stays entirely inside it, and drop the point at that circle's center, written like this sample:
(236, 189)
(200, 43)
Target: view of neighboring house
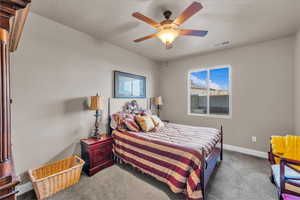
(213, 94)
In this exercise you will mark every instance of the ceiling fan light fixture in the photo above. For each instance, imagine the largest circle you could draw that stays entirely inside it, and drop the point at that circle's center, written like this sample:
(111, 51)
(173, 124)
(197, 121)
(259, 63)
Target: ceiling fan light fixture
(167, 36)
(168, 30)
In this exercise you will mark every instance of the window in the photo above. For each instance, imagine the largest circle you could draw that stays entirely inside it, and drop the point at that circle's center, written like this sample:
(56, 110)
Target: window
(209, 92)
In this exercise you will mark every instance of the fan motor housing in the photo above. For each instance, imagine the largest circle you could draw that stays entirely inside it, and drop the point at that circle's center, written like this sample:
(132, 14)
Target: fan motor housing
(166, 22)
(167, 14)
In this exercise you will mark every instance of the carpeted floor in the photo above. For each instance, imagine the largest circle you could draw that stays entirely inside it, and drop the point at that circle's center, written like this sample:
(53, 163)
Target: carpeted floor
(239, 177)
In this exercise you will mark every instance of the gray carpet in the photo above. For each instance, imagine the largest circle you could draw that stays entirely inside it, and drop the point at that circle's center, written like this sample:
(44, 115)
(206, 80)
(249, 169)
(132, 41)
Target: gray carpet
(239, 177)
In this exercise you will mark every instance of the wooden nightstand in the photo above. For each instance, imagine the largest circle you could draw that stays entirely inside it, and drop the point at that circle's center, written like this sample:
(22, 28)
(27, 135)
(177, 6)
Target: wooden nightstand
(97, 154)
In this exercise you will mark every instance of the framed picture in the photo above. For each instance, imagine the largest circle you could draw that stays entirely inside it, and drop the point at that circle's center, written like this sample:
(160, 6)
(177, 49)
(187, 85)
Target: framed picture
(129, 85)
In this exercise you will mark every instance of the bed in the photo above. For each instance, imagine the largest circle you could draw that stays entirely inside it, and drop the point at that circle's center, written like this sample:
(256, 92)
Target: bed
(183, 157)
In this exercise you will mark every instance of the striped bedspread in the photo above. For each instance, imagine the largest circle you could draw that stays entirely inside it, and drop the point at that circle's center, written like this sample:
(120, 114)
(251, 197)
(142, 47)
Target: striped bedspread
(172, 155)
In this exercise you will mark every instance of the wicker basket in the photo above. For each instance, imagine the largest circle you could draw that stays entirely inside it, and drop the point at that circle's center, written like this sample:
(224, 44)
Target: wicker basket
(54, 177)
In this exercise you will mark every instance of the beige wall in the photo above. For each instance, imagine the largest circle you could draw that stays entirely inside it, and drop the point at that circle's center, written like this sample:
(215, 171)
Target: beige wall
(56, 68)
(53, 71)
(297, 83)
(262, 91)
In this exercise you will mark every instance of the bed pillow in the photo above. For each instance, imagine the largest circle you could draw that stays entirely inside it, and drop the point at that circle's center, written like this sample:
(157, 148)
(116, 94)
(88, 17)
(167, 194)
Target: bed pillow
(156, 120)
(132, 125)
(157, 123)
(145, 122)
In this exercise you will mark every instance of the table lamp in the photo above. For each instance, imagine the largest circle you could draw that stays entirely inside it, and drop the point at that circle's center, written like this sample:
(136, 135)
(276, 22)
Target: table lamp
(96, 104)
(158, 102)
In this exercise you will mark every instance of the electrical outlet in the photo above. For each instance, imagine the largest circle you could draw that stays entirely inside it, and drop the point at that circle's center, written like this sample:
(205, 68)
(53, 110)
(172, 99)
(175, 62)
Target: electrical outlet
(253, 138)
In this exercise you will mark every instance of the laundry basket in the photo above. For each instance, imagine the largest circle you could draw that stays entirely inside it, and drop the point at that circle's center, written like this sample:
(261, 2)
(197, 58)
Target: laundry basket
(54, 177)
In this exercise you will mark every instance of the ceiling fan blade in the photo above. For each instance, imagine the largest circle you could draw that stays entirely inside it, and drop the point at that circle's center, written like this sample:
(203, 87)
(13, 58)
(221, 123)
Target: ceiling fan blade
(193, 32)
(146, 37)
(188, 12)
(146, 19)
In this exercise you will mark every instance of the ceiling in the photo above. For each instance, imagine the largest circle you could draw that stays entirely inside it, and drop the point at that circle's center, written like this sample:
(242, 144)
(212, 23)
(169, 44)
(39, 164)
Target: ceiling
(238, 21)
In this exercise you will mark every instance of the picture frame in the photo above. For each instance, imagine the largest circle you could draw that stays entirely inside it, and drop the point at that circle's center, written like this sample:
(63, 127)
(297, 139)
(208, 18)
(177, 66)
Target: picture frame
(128, 85)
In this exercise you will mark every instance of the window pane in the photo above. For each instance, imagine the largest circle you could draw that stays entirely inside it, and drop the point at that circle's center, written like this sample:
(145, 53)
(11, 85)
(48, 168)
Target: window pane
(198, 92)
(219, 105)
(219, 91)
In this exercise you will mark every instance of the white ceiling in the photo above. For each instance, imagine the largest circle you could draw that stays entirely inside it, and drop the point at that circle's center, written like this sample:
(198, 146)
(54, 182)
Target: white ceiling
(238, 21)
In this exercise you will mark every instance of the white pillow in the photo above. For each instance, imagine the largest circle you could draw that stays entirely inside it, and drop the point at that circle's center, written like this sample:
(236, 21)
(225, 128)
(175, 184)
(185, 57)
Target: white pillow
(157, 122)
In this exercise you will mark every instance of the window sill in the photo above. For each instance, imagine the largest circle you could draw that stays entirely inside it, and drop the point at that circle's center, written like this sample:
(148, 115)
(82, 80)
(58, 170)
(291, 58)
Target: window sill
(211, 116)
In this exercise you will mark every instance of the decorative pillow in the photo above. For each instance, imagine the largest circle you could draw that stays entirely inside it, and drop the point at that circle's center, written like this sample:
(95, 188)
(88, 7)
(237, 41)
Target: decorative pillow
(132, 125)
(118, 121)
(146, 112)
(145, 122)
(143, 113)
(130, 116)
(157, 122)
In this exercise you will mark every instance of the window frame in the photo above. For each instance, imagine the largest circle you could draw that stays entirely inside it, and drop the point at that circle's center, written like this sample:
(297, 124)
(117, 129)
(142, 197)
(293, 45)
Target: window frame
(208, 68)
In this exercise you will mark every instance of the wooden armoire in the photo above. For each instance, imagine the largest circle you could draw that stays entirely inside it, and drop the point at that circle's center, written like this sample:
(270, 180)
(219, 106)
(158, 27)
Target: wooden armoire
(13, 14)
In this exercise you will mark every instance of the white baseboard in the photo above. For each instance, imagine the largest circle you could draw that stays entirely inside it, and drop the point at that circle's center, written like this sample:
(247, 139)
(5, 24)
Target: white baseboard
(26, 187)
(247, 151)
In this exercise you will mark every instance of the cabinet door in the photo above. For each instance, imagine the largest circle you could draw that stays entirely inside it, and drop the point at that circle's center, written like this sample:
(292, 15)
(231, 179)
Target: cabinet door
(101, 154)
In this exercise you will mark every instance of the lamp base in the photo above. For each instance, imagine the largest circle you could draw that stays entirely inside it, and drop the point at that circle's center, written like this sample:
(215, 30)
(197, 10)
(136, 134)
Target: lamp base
(98, 136)
(158, 111)
(96, 132)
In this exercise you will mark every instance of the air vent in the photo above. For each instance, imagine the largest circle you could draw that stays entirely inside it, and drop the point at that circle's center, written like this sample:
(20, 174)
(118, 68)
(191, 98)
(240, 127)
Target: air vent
(226, 43)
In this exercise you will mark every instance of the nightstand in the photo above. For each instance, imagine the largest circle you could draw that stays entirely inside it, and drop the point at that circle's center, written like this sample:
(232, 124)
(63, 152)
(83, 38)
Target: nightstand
(97, 154)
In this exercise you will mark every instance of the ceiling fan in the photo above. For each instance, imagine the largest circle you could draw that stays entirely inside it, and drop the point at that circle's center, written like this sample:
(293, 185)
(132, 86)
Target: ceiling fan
(168, 29)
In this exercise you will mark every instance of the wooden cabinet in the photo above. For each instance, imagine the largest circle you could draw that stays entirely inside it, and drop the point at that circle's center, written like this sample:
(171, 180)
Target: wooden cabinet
(97, 154)
(13, 14)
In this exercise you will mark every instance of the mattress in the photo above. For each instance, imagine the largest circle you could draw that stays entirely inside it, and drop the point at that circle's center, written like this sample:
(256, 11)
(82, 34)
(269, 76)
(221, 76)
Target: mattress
(173, 155)
(193, 137)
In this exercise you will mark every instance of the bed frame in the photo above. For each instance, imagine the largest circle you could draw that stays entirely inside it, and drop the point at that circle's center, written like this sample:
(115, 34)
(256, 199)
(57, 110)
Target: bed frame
(209, 162)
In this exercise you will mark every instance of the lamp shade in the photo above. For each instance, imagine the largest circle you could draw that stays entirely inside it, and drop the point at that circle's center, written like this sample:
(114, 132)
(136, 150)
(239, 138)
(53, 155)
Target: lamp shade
(96, 103)
(158, 100)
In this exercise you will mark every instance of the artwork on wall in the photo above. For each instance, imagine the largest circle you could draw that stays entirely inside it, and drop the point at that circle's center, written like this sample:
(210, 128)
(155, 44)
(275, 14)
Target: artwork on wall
(129, 85)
